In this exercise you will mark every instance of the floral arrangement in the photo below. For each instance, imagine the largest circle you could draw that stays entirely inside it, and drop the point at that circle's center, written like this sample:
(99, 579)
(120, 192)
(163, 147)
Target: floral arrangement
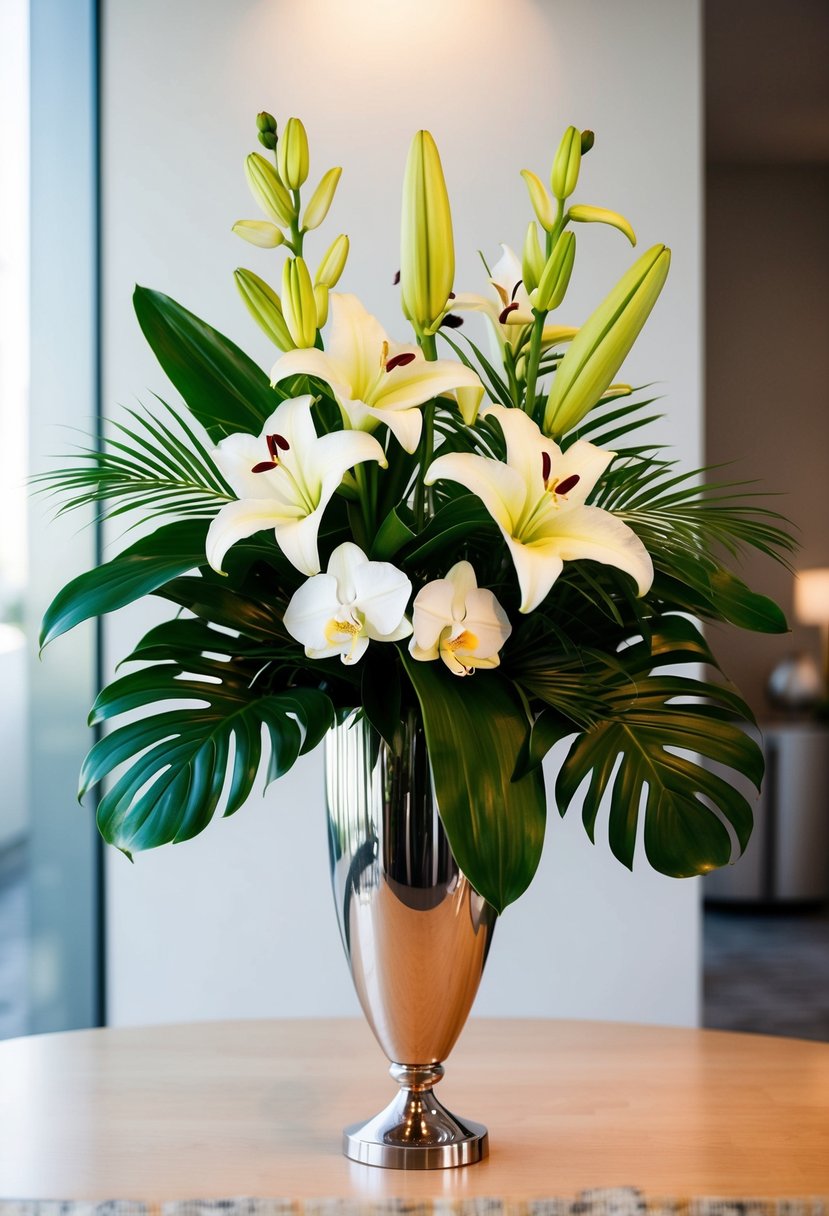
(373, 522)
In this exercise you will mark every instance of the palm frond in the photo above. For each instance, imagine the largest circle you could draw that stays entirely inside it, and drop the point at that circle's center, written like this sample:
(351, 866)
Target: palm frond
(156, 465)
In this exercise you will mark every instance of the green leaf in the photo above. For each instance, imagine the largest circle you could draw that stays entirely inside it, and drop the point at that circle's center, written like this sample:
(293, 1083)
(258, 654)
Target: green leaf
(223, 389)
(390, 538)
(452, 523)
(632, 756)
(474, 732)
(170, 551)
(711, 591)
(186, 762)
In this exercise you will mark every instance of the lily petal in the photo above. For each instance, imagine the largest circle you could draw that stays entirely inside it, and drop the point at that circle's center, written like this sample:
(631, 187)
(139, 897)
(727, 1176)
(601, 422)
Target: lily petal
(585, 461)
(526, 446)
(240, 520)
(298, 541)
(500, 488)
(538, 566)
(589, 532)
(405, 425)
(419, 381)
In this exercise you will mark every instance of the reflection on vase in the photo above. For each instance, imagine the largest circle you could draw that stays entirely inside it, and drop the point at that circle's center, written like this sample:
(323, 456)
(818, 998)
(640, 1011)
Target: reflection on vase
(415, 933)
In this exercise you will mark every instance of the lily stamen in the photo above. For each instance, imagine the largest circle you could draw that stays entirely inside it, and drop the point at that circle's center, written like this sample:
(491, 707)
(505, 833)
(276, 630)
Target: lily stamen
(400, 360)
(502, 318)
(569, 483)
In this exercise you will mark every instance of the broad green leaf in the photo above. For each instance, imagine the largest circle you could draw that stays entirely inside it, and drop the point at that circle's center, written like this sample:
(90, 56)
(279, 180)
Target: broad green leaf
(390, 538)
(141, 569)
(714, 592)
(186, 762)
(474, 732)
(453, 522)
(223, 388)
(632, 756)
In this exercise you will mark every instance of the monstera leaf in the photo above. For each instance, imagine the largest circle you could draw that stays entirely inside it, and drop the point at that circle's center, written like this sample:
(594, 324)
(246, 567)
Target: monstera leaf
(641, 753)
(185, 762)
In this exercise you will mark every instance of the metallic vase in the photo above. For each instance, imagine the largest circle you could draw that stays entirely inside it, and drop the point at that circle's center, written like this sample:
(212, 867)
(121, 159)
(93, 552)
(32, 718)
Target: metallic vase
(415, 933)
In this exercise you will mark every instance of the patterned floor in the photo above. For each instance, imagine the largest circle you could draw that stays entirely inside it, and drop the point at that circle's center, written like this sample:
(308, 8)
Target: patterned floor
(767, 972)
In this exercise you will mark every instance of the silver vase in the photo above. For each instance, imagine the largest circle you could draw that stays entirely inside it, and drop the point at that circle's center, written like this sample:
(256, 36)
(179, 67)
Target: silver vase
(415, 933)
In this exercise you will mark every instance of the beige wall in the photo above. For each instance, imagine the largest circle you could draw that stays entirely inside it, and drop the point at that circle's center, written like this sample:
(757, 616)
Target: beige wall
(767, 374)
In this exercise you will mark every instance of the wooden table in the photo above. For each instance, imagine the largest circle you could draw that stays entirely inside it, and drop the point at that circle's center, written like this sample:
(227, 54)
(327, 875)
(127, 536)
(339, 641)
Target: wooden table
(255, 1108)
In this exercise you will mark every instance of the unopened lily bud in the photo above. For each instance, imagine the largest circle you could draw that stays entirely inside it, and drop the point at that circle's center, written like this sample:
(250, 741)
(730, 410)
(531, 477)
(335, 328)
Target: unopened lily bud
(333, 262)
(321, 301)
(540, 199)
(267, 139)
(298, 304)
(259, 232)
(264, 306)
(268, 190)
(292, 154)
(427, 248)
(555, 278)
(603, 342)
(580, 213)
(469, 398)
(588, 138)
(532, 258)
(321, 199)
(566, 165)
(265, 121)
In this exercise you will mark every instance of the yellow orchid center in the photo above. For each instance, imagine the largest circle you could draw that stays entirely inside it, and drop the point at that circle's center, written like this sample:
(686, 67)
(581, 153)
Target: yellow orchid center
(464, 641)
(338, 631)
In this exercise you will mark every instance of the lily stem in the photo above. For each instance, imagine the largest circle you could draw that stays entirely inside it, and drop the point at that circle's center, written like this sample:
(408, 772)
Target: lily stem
(428, 345)
(533, 361)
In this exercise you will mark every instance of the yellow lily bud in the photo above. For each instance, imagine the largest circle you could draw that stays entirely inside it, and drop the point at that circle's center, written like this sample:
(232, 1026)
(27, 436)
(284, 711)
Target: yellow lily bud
(292, 154)
(321, 199)
(264, 306)
(321, 301)
(617, 390)
(557, 335)
(603, 342)
(532, 259)
(298, 304)
(555, 278)
(566, 165)
(427, 249)
(540, 199)
(469, 398)
(333, 262)
(580, 213)
(268, 190)
(259, 232)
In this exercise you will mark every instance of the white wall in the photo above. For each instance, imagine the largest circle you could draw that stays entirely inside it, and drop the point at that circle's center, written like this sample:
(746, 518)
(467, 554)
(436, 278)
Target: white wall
(240, 921)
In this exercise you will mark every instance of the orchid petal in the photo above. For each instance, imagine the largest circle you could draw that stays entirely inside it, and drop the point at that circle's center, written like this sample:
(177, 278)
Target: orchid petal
(597, 535)
(463, 579)
(241, 519)
(310, 609)
(381, 594)
(432, 613)
(500, 488)
(344, 563)
(487, 621)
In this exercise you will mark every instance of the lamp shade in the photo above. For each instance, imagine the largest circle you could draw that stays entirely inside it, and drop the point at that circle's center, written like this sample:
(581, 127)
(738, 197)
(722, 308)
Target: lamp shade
(811, 596)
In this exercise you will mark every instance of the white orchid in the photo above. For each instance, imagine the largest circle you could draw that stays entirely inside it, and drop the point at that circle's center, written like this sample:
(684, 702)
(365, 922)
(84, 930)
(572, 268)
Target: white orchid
(374, 379)
(456, 620)
(537, 499)
(284, 479)
(356, 601)
(509, 310)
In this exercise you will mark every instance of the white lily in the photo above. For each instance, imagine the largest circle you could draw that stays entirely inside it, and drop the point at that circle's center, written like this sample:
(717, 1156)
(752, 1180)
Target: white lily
(356, 601)
(284, 479)
(374, 379)
(537, 499)
(456, 620)
(509, 310)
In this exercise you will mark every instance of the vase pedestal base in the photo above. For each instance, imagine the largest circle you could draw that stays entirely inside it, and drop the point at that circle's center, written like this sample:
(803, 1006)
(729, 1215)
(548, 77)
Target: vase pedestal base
(415, 1131)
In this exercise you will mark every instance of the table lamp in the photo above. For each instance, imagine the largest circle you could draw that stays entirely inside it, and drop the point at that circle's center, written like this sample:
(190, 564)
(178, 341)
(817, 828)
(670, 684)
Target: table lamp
(811, 606)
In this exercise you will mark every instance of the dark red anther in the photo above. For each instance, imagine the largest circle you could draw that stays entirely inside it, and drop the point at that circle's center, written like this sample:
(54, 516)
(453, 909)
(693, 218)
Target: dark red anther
(546, 467)
(264, 466)
(568, 484)
(451, 321)
(281, 442)
(503, 317)
(400, 360)
(396, 278)
(451, 295)
(515, 288)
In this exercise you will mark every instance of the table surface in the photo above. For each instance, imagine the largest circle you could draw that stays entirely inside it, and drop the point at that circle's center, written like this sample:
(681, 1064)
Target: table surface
(256, 1108)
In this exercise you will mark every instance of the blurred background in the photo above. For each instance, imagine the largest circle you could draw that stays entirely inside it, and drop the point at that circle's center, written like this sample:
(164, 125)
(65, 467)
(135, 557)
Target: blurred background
(123, 130)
